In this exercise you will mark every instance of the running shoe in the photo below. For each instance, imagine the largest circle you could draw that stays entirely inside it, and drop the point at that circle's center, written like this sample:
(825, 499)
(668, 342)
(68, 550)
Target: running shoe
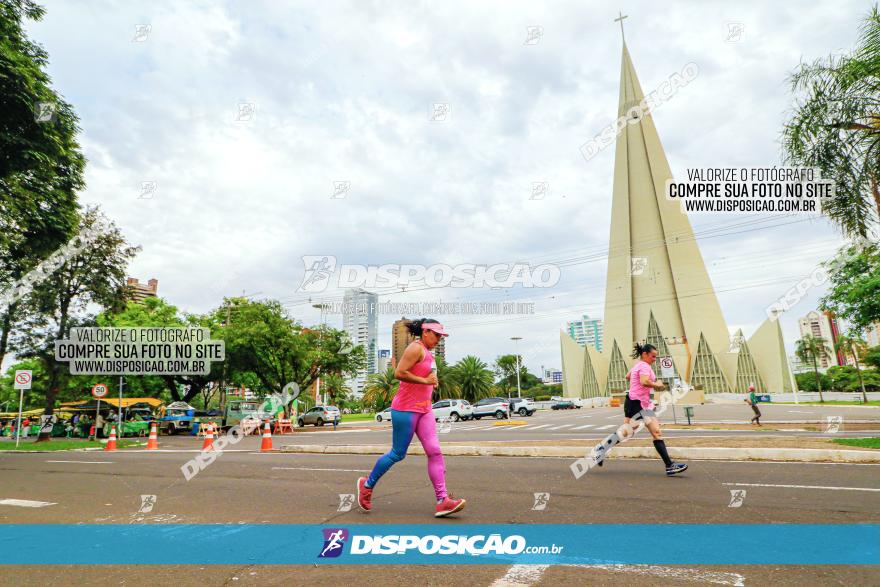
(448, 506)
(599, 454)
(676, 468)
(365, 495)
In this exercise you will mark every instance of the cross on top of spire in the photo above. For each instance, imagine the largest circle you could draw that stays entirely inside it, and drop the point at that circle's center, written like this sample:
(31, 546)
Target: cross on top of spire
(620, 20)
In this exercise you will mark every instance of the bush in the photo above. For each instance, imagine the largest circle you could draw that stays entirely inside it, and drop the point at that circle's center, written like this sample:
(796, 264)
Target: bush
(542, 398)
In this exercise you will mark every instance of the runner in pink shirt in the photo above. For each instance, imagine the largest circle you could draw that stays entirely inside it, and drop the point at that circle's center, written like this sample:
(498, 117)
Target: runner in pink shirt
(638, 405)
(411, 413)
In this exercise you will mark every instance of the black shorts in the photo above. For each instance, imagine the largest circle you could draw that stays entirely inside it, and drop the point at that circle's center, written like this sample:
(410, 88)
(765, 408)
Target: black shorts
(631, 407)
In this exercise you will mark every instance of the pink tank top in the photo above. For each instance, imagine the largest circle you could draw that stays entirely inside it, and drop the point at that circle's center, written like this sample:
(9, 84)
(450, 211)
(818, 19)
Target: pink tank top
(416, 397)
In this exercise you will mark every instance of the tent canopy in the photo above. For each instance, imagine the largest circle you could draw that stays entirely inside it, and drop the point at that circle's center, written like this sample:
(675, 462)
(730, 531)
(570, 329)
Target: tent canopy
(127, 402)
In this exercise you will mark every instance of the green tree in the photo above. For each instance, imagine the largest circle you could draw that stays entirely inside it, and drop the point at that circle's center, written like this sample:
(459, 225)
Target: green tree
(261, 338)
(336, 388)
(380, 389)
(807, 382)
(872, 357)
(850, 344)
(854, 286)
(835, 127)
(41, 167)
(474, 378)
(448, 387)
(812, 349)
(94, 275)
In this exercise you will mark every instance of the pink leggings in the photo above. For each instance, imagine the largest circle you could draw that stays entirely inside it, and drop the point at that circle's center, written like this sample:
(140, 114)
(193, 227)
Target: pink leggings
(404, 425)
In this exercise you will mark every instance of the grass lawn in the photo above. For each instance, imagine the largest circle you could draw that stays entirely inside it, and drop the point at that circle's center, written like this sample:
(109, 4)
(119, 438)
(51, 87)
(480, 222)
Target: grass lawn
(861, 442)
(833, 403)
(357, 417)
(60, 444)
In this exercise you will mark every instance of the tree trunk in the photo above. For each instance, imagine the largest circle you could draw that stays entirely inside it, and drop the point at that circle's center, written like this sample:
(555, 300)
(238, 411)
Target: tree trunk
(861, 381)
(54, 370)
(818, 380)
(875, 189)
(8, 321)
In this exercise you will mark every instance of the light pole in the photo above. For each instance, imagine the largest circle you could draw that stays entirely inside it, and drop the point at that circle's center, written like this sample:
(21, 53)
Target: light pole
(516, 339)
(320, 306)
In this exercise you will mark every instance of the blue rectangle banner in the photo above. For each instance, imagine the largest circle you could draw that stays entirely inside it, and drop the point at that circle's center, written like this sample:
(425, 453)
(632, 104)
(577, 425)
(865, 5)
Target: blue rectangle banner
(294, 544)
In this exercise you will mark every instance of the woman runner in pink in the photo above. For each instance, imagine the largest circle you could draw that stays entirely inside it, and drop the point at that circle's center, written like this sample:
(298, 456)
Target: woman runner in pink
(411, 414)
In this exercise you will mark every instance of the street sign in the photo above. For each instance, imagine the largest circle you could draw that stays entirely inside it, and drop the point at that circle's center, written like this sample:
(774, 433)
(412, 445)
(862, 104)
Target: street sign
(666, 368)
(99, 390)
(23, 379)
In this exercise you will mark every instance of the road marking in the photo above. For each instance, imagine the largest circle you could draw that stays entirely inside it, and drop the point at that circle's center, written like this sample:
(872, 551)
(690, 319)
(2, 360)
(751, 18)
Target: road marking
(584, 426)
(318, 469)
(85, 462)
(521, 576)
(560, 427)
(26, 503)
(527, 575)
(606, 427)
(798, 412)
(804, 486)
(541, 426)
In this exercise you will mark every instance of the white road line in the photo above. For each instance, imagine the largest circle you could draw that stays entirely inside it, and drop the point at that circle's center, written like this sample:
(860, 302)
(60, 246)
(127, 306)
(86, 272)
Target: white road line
(803, 486)
(26, 503)
(799, 412)
(584, 426)
(85, 462)
(606, 427)
(317, 469)
(560, 427)
(521, 576)
(527, 575)
(541, 426)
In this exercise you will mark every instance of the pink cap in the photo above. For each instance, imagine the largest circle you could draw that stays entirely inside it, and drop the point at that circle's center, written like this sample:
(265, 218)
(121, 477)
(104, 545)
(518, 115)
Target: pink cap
(436, 327)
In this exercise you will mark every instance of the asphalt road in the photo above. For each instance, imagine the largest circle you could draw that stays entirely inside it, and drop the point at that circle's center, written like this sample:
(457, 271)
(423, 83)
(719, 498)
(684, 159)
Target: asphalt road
(255, 488)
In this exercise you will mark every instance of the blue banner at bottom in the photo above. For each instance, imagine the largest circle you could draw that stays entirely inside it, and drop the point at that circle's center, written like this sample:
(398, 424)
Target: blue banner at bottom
(371, 544)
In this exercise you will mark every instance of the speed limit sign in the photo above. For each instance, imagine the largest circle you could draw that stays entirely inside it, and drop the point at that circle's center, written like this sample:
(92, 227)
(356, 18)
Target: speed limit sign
(99, 390)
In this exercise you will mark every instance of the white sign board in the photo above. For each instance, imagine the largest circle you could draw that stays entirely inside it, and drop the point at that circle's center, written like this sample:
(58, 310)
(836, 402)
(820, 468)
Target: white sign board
(666, 368)
(23, 379)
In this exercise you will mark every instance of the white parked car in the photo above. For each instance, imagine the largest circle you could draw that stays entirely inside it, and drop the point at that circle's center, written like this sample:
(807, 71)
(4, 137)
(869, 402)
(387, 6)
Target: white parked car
(384, 415)
(454, 409)
(492, 406)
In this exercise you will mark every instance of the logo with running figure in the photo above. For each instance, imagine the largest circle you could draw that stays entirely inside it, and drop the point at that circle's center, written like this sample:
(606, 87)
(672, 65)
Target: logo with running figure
(318, 269)
(334, 542)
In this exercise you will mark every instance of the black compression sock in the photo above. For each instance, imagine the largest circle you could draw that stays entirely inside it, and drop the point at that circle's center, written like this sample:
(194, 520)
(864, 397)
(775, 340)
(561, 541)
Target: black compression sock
(660, 446)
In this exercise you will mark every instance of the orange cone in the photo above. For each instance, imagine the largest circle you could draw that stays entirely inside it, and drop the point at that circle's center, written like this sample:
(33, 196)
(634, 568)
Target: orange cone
(267, 438)
(111, 444)
(209, 438)
(153, 440)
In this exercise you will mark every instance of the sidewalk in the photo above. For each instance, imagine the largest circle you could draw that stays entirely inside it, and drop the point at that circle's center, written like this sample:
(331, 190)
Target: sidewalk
(766, 448)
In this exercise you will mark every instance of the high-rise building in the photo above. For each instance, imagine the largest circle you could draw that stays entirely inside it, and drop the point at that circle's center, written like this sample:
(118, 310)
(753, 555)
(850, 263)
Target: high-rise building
(823, 325)
(384, 360)
(361, 322)
(872, 334)
(586, 332)
(138, 292)
(400, 339)
(552, 375)
(658, 289)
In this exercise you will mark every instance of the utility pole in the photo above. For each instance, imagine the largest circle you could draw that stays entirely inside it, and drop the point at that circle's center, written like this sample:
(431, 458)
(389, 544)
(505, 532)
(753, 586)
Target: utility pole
(223, 378)
(516, 339)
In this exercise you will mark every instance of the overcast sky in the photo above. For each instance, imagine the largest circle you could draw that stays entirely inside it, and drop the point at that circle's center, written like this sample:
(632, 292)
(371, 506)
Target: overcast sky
(345, 91)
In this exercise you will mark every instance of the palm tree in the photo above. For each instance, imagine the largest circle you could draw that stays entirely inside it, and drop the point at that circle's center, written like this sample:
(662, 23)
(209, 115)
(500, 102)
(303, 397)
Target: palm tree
(812, 349)
(851, 344)
(380, 389)
(448, 380)
(835, 127)
(336, 388)
(474, 378)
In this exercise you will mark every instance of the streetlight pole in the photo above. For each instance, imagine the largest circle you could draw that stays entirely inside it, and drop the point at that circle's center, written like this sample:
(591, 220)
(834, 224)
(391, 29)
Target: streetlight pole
(516, 339)
(320, 306)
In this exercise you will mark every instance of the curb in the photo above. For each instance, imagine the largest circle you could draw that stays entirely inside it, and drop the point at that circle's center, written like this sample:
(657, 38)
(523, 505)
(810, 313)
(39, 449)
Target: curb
(804, 455)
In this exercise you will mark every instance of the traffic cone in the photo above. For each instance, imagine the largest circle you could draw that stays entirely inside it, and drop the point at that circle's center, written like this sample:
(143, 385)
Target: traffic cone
(209, 438)
(111, 444)
(267, 438)
(153, 440)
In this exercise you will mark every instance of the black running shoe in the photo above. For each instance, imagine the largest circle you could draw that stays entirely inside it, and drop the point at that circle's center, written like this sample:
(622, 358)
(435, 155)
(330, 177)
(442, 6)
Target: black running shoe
(676, 468)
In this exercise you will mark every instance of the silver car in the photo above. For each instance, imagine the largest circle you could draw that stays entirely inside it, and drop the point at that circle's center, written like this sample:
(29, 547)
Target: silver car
(320, 415)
